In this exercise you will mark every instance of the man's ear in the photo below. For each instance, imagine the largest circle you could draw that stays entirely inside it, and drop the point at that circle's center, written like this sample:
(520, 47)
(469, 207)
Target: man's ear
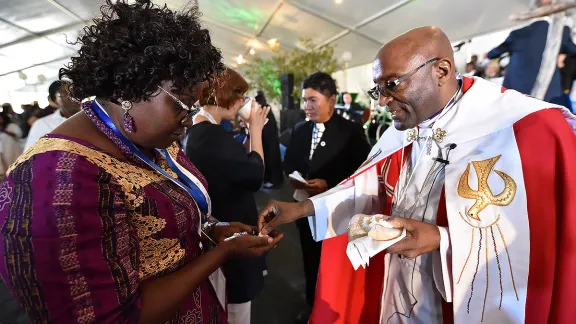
(332, 100)
(444, 70)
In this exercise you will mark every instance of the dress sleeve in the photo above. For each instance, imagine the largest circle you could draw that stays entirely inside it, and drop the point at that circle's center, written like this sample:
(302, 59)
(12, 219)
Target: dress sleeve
(70, 254)
(289, 164)
(568, 46)
(502, 48)
(230, 160)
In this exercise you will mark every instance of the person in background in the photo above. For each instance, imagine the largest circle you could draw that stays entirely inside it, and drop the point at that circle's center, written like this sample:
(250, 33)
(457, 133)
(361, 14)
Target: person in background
(567, 66)
(105, 220)
(52, 106)
(526, 48)
(493, 73)
(234, 176)
(324, 150)
(474, 61)
(66, 108)
(353, 109)
(10, 122)
(273, 175)
(470, 70)
(10, 149)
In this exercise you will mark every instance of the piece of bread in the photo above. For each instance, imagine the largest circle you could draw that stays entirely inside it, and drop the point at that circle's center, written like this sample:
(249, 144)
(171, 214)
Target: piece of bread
(355, 228)
(380, 232)
(374, 226)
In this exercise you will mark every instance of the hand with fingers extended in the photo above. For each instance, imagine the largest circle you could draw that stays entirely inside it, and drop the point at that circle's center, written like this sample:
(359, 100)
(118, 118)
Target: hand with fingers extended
(258, 116)
(277, 213)
(420, 237)
(250, 246)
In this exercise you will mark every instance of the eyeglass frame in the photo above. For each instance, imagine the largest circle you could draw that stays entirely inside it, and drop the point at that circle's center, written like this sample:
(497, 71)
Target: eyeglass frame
(190, 111)
(375, 92)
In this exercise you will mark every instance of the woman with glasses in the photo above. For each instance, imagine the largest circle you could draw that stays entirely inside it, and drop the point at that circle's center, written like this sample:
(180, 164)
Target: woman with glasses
(233, 175)
(105, 219)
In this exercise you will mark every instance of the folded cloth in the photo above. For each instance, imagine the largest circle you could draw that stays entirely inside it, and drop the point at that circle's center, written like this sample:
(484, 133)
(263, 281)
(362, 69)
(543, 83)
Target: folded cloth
(361, 250)
(368, 236)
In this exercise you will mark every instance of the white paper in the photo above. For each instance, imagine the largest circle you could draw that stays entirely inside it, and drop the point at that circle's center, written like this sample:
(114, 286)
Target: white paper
(362, 249)
(298, 177)
(218, 282)
(299, 194)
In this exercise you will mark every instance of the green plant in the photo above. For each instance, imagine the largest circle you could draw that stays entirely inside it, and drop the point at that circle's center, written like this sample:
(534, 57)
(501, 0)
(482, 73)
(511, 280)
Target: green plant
(264, 73)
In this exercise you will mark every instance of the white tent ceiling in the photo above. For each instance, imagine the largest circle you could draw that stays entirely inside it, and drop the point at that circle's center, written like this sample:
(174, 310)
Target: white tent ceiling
(34, 33)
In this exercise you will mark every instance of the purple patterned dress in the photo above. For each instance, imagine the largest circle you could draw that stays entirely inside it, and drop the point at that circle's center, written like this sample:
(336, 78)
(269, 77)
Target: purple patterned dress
(80, 230)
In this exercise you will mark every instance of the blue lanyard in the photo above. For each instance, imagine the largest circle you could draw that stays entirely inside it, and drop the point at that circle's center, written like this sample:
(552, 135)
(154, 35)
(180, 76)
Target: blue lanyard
(190, 186)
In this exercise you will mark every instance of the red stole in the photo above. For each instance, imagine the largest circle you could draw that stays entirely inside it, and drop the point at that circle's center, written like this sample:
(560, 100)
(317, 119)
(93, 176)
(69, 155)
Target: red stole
(342, 294)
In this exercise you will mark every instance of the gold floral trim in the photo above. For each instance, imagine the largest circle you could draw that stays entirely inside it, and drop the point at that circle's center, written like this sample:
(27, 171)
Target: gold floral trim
(129, 176)
(156, 255)
(148, 225)
(173, 150)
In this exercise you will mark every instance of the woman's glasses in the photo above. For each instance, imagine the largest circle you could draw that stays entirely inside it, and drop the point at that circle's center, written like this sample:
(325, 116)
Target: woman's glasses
(190, 111)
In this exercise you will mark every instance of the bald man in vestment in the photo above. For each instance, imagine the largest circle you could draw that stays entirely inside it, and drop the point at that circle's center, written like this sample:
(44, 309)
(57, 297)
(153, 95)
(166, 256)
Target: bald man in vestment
(479, 177)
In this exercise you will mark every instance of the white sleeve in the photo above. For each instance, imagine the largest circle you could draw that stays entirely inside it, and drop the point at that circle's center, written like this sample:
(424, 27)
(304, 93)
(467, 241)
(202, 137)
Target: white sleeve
(442, 267)
(36, 131)
(334, 208)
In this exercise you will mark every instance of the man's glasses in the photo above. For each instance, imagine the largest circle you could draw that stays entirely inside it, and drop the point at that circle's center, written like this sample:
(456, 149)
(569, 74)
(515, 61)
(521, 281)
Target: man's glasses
(190, 111)
(390, 86)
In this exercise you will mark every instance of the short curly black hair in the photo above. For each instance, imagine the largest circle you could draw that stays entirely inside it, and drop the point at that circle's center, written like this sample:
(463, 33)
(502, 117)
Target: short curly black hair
(321, 82)
(131, 49)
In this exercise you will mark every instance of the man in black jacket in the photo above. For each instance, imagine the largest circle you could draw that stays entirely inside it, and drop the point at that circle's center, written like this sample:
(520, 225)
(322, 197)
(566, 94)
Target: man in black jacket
(324, 150)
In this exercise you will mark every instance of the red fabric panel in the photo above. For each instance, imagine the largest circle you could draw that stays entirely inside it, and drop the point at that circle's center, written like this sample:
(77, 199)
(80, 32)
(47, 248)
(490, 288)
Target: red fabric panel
(547, 148)
(442, 220)
(346, 296)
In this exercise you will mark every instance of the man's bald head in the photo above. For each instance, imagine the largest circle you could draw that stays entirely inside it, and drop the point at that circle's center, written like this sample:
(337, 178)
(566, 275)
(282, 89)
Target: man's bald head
(420, 93)
(426, 41)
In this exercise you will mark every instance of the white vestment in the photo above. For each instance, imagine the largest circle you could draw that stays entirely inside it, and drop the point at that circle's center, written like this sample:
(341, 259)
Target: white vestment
(412, 297)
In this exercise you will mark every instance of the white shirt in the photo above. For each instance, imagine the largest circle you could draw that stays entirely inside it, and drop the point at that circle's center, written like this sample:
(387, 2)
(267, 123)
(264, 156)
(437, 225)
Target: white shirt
(43, 126)
(317, 133)
(10, 150)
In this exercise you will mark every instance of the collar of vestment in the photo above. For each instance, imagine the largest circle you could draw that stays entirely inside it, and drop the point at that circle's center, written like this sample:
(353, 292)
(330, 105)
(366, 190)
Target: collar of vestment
(483, 109)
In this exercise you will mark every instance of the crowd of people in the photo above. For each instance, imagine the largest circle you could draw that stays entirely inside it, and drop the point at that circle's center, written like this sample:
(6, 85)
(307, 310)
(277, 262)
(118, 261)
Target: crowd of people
(134, 199)
(18, 132)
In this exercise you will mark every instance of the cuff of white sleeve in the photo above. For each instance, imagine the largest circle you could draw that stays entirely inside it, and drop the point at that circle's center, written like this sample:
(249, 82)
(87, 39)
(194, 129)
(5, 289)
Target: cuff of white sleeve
(443, 265)
(319, 223)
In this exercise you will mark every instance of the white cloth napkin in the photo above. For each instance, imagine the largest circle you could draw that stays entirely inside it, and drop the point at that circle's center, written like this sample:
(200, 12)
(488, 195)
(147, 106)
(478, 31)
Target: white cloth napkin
(360, 250)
